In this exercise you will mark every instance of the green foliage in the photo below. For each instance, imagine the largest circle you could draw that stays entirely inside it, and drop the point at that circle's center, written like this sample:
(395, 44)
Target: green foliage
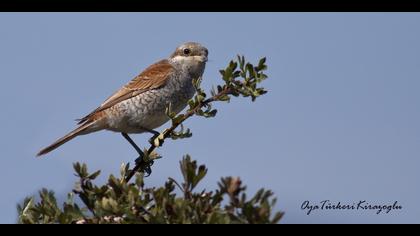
(119, 202)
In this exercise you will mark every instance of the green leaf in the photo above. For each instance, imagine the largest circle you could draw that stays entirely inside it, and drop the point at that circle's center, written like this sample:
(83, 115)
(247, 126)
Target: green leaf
(211, 113)
(80, 169)
(26, 207)
(124, 170)
(224, 98)
(261, 64)
(94, 175)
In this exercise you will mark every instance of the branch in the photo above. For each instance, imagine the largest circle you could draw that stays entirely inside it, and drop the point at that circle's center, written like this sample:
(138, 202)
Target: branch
(247, 87)
(143, 163)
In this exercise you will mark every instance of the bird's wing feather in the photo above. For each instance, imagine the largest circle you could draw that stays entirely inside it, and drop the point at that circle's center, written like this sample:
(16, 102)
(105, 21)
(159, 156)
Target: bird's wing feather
(153, 77)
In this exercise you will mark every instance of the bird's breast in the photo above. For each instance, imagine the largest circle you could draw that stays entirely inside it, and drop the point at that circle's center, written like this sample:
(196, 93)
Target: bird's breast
(148, 108)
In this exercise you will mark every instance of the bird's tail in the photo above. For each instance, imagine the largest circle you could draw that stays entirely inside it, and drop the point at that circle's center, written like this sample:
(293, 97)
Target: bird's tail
(78, 131)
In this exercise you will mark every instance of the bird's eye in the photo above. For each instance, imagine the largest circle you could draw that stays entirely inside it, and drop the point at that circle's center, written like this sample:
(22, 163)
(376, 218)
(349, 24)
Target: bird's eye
(187, 51)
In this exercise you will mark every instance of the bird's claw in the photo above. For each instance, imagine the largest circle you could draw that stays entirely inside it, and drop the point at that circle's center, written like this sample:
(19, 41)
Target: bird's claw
(157, 140)
(146, 166)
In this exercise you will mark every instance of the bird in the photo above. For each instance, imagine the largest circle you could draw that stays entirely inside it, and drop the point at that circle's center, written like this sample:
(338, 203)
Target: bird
(140, 105)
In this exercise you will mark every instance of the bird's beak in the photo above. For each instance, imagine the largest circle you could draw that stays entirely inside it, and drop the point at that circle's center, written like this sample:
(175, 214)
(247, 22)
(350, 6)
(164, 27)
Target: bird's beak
(204, 59)
(199, 58)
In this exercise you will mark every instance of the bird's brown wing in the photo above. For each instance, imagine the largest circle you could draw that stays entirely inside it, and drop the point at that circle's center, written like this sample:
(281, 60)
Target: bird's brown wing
(152, 77)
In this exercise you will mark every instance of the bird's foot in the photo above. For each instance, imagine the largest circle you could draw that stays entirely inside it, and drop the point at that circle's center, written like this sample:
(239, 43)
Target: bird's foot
(145, 165)
(157, 140)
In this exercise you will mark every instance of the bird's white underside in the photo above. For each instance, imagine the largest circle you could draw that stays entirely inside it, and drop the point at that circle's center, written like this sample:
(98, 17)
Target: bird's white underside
(183, 59)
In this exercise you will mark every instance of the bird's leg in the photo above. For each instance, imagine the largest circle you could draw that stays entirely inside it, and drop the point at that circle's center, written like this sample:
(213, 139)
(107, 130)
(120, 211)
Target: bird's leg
(156, 133)
(139, 151)
(140, 160)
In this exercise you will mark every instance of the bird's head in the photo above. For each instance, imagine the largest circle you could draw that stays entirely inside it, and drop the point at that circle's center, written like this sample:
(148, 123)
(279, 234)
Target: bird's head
(190, 53)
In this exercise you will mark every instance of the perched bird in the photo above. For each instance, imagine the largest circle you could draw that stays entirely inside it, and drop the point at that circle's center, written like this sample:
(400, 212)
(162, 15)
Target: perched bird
(140, 105)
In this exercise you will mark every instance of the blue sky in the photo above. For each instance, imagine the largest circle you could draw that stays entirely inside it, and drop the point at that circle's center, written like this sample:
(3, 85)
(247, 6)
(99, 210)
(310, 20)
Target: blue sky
(340, 121)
